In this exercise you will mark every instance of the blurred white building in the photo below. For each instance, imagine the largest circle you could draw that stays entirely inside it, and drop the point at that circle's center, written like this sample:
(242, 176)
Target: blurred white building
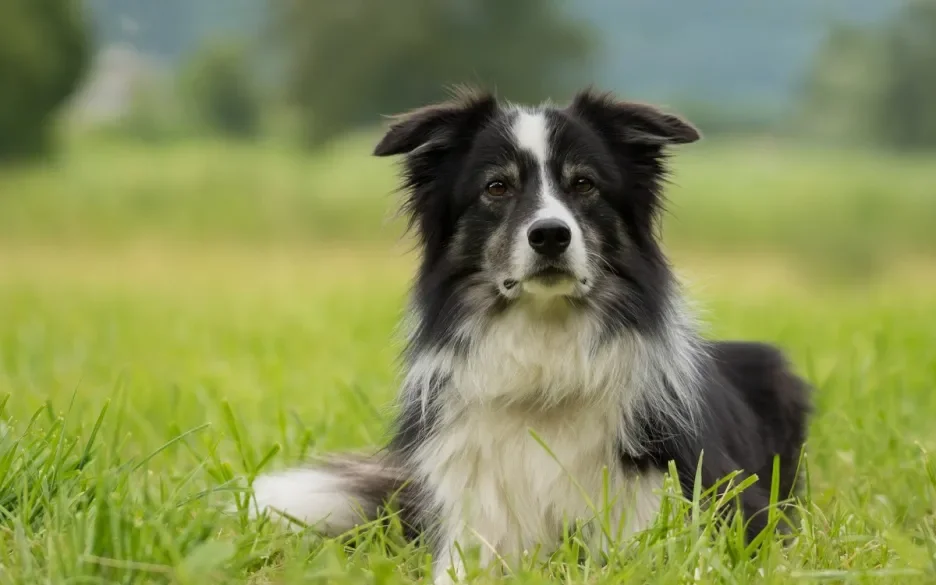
(116, 73)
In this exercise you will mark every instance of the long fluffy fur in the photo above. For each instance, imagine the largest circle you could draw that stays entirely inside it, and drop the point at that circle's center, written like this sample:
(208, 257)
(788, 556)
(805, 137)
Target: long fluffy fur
(514, 404)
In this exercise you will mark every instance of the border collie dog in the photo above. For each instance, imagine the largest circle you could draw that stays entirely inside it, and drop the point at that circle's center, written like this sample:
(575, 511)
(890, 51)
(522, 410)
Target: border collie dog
(551, 364)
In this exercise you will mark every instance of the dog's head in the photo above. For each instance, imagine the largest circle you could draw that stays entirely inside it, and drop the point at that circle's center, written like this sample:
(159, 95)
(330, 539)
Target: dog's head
(514, 202)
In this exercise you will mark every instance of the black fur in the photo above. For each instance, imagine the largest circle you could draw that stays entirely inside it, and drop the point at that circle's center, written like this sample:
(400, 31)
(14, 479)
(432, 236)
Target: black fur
(744, 403)
(754, 408)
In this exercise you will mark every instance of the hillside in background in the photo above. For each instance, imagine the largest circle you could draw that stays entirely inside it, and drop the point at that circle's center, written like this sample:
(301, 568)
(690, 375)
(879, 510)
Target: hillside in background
(734, 51)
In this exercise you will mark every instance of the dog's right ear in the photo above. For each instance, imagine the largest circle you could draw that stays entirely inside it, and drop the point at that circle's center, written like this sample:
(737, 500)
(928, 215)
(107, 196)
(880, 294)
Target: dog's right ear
(436, 125)
(631, 122)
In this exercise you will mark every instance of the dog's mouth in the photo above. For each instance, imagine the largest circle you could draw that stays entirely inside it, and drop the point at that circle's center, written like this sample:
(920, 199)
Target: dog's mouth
(551, 275)
(545, 278)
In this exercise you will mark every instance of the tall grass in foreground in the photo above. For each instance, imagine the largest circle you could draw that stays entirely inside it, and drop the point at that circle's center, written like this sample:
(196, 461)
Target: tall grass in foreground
(117, 521)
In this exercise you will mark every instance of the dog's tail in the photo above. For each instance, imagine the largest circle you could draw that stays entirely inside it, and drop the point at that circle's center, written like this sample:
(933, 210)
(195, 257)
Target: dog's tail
(334, 495)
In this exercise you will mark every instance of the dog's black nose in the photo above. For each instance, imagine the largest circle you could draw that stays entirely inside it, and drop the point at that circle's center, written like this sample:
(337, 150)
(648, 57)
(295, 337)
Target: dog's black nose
(549, 237)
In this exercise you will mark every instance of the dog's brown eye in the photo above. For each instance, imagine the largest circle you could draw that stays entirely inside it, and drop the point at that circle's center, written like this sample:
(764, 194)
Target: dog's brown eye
(582, 185)
(496, 188)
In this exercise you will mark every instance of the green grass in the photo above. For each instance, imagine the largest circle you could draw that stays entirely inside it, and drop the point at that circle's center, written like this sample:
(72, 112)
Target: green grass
(839, 211)
(174, 319)
(138, 384)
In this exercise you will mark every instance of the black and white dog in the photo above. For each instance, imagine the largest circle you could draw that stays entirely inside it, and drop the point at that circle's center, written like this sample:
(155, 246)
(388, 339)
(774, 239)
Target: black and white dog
(544, 303)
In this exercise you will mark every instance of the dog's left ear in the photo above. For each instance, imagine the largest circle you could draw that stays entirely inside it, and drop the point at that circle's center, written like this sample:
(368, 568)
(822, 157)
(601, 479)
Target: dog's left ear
(437, 125)
(631, 122)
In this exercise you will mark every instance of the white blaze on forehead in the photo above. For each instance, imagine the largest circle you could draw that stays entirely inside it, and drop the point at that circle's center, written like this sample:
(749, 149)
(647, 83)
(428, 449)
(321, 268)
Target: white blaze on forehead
(532, 133)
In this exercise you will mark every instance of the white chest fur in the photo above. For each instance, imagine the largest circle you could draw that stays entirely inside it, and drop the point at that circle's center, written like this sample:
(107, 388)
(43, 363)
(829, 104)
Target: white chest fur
(510, 491)
(497, 485)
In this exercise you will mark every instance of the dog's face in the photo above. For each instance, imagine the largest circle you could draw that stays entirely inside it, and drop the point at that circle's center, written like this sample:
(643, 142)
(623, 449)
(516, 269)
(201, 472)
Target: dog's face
(542, 203)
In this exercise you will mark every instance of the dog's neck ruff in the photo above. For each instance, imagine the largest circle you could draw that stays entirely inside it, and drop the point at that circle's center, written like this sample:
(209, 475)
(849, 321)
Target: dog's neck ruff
(536, 361)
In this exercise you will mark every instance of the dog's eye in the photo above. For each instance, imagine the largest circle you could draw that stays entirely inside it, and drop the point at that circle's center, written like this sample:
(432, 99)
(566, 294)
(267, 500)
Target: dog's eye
(582, 185)
(496, 188)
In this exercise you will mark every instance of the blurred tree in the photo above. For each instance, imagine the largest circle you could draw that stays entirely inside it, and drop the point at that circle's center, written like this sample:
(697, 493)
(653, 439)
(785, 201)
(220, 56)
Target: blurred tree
(843, 87)
(44, 51)
(219, 87)
(353, 60)
(906, 111)
(877, 86)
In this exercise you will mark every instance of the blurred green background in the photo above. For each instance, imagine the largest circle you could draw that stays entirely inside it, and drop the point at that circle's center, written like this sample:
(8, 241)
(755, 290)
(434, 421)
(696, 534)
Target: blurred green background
(252, 121)
(201, 271)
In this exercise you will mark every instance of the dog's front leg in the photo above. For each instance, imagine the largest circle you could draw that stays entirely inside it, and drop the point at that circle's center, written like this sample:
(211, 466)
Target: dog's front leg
(457, 542)
(448, 566)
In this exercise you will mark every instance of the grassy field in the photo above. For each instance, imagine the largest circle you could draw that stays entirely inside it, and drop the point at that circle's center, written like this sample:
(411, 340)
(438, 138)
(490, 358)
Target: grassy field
(174, 319)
